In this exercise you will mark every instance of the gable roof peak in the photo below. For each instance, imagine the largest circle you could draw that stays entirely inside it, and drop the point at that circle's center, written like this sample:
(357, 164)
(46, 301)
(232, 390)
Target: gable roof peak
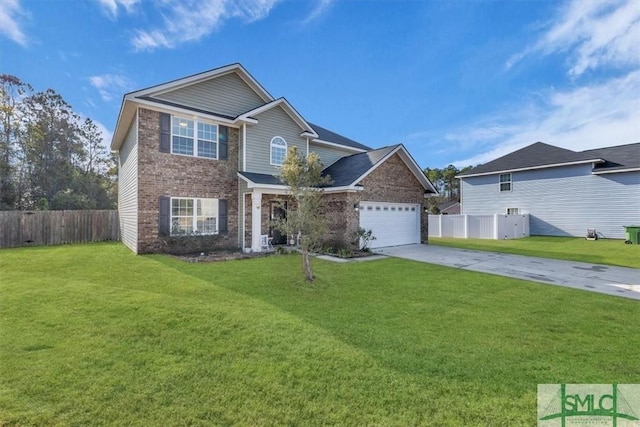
(174, 84)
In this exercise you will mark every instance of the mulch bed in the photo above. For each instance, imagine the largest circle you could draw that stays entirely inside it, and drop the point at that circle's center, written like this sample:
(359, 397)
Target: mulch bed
(222, 256)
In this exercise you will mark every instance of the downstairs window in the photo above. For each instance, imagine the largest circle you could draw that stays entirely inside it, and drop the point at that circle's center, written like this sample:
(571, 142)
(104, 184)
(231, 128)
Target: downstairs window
(193, 216)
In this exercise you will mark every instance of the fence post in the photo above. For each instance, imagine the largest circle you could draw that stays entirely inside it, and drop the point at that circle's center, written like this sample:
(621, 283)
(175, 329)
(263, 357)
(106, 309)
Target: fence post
(466, 226)
(440, 225)
(496, 226)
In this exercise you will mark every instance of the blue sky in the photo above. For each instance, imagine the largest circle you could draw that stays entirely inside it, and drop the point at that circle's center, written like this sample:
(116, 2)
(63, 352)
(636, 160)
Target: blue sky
(458, 82)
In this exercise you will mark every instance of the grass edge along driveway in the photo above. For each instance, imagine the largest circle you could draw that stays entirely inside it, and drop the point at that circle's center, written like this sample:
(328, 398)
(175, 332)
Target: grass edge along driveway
(602, 251)
(94, 335)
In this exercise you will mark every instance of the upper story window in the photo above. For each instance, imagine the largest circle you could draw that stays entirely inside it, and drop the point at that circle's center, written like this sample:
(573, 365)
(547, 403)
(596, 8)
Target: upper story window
(505, 182)
(513, 211)
(194, 138)
(278, 150)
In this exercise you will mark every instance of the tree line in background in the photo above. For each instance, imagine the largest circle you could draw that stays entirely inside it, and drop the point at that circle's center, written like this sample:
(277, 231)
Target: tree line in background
(447, 185)
(50, 158)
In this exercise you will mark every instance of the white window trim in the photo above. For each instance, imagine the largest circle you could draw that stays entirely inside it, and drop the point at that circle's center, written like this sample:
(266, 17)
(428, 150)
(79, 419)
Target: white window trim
(517, 211)
(195, 137)
(286, 147)
(194, 215)
(510, 182)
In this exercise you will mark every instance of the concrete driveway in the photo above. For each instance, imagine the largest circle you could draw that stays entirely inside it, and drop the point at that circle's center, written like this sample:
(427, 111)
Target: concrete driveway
(619, 281)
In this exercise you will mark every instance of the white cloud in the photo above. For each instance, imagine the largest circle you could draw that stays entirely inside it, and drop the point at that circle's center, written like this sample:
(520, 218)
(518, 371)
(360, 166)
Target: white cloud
(10, 11)
(110, 85)
(111, 7)
(600, 41)
(594, 33)
(322, 7)
(190, 20)
(599, 115)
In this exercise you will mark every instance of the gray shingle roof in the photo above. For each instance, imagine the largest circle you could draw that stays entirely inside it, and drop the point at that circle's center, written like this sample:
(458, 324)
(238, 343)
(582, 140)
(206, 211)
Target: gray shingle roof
(343, 172)
(535, 156)
(347, 169)
(619, 157)
(262, 178)
(329, 136)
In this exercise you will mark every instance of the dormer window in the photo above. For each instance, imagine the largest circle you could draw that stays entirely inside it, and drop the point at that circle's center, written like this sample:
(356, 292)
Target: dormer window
(278, 150)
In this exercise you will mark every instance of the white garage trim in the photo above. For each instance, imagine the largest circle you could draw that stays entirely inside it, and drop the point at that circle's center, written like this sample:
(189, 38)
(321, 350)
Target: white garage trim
(392, 224)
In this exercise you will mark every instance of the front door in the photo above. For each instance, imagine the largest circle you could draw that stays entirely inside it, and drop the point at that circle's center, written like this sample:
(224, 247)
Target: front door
(278, 210)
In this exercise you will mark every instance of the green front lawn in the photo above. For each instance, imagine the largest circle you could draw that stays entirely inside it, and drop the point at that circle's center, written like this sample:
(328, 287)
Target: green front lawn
(603, 251)
(94, 335)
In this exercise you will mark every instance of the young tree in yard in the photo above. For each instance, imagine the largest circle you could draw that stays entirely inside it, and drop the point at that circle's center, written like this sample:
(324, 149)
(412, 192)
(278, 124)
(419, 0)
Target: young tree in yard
(304, 180)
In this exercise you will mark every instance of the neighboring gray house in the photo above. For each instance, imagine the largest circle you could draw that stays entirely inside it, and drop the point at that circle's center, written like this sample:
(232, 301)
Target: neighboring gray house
(564, 192)
(449, 208)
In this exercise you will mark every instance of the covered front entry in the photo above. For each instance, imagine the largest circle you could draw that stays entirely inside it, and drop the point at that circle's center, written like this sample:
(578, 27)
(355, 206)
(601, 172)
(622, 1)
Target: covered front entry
(277, 211)
(392, 224)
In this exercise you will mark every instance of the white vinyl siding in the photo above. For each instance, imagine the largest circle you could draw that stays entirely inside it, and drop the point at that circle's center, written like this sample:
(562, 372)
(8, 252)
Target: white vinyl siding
(227, 94)
(561, 201)
(273, 122)
(128, 188)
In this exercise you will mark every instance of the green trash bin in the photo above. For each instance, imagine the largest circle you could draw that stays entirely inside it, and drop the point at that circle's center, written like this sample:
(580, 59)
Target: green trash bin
(633, 234)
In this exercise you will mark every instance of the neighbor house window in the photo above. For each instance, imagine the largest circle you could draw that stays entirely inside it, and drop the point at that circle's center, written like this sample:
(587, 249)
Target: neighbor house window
(194, 138)
(193, 216)
(505, 182)
(278, 150)
(513, 211)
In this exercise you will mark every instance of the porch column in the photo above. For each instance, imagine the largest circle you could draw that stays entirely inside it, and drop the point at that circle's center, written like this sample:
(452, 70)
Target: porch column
(256, 221)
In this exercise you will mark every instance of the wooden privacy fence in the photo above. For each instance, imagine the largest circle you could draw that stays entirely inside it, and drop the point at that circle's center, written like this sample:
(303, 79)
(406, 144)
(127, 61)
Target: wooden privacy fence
(35, 228)
(497, 226)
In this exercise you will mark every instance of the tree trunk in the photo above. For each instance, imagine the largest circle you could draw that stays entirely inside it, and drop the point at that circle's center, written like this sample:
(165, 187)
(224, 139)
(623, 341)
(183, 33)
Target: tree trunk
(306, 265)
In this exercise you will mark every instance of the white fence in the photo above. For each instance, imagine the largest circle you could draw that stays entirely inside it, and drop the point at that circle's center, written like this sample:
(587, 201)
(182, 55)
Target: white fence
(498, 226)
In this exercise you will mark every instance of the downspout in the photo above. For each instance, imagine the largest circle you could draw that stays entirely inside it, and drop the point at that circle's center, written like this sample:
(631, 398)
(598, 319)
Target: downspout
(244, 147)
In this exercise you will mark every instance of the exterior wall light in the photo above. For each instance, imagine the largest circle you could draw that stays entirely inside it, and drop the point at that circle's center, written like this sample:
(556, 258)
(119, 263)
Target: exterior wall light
(356, 207)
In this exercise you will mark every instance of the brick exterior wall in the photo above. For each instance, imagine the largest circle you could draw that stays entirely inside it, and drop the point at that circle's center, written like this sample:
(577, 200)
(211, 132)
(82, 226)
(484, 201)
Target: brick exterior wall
(343, 220)
(165, 174)
(393, 182)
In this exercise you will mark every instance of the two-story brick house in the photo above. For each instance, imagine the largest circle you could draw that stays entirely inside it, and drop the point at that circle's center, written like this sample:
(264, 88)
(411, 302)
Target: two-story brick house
(201, 155)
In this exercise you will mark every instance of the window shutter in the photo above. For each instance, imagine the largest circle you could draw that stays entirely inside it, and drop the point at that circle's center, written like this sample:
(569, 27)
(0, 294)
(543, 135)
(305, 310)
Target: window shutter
(165, 216)
(222, 142)
(165, 133)
(222, 216)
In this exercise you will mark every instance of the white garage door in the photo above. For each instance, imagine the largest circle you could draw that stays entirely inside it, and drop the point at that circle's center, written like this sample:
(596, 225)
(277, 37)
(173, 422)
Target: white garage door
(392, 223)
